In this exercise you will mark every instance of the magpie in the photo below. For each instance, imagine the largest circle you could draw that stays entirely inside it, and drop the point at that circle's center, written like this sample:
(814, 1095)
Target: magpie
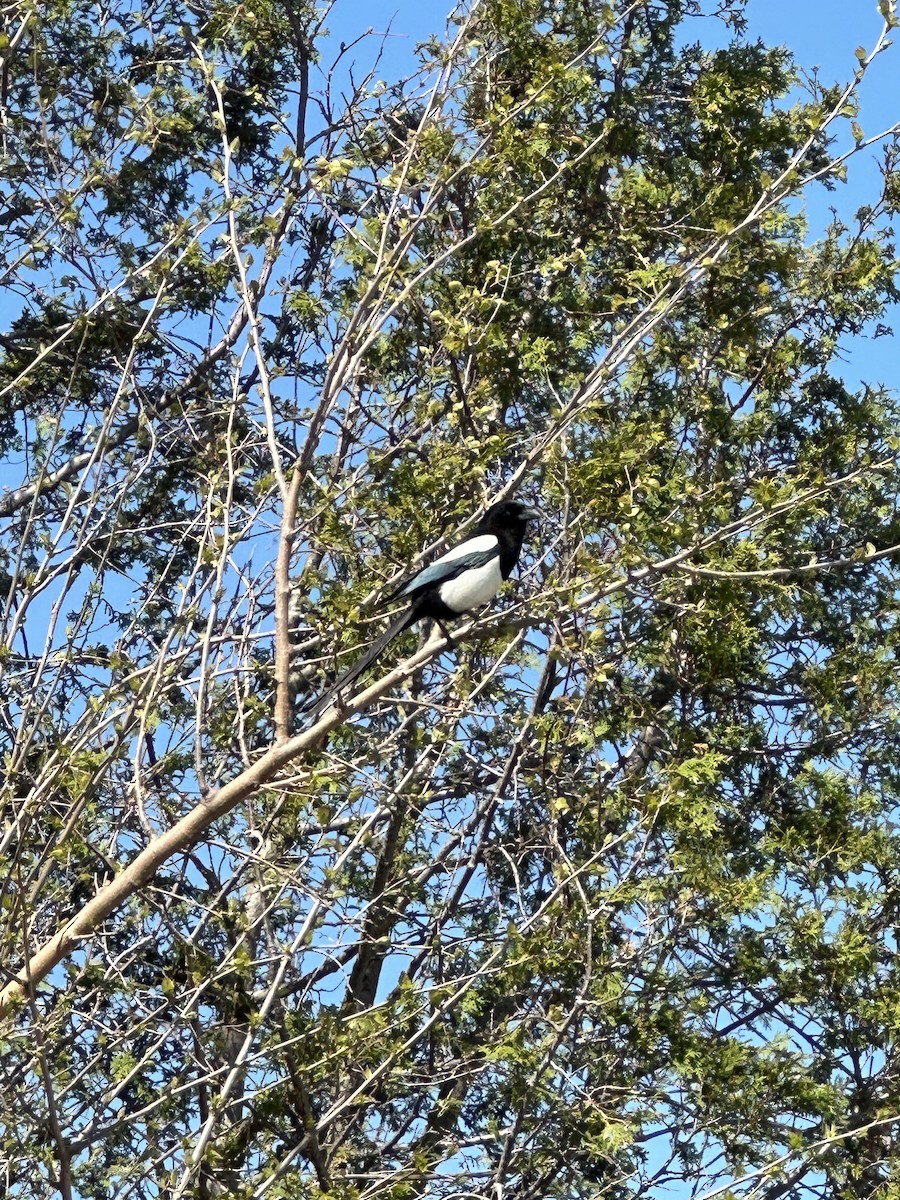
(465, 577)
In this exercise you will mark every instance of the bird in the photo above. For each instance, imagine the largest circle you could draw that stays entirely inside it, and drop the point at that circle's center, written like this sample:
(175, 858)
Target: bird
(466, 577)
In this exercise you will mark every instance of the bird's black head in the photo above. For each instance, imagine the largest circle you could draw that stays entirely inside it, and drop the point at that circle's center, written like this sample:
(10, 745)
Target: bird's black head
(508, 513)
(506, 522)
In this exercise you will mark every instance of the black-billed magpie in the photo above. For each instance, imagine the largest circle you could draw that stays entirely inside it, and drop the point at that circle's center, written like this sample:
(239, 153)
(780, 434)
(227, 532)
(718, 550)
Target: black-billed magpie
(465, 577)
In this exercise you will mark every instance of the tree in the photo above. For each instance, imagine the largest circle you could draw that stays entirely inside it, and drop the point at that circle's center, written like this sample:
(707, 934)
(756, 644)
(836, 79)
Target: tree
(595, 896)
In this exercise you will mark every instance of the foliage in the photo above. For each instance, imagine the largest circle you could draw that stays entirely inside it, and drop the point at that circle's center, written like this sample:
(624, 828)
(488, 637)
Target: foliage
(602, 898)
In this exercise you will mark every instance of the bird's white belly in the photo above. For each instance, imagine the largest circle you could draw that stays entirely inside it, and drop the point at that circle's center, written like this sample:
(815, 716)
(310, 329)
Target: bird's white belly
(473, 588)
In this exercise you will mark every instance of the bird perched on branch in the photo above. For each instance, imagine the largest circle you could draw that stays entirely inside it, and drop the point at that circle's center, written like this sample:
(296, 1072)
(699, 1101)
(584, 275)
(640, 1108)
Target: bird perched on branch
(465, 577)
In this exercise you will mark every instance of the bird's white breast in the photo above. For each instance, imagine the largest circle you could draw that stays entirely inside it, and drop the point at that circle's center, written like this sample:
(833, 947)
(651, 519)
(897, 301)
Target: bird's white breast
(474, 587)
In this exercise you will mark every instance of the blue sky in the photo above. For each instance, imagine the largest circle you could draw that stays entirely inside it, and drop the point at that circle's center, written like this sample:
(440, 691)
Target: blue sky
(823, 35)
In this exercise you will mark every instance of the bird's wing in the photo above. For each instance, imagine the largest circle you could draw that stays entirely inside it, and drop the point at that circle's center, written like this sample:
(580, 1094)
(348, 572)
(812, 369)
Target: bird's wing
(467, 556)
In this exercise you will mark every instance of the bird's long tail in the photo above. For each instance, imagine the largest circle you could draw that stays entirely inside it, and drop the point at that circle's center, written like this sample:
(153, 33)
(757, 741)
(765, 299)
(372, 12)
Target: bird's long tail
(345, 681)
